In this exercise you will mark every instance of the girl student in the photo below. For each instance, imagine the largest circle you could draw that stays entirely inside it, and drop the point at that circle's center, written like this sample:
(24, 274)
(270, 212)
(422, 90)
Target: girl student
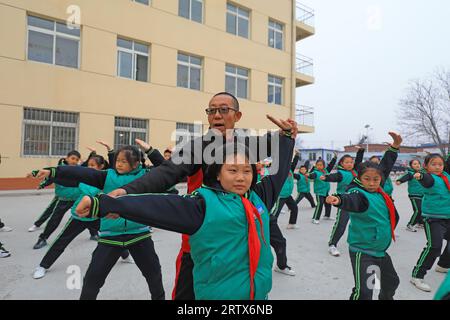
(415, 194)
(344, 176)
(321, 188)
(227, 220)
(436, 218)
(115, 234)
(373, 218)
(303, 185)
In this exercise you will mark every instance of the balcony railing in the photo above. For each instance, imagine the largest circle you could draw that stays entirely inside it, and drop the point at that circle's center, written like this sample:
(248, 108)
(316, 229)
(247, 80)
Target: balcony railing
(305, 14)
(304, 65)
(304, 115)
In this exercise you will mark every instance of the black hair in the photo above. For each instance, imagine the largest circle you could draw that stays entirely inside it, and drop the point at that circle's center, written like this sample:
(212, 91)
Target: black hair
(131, 153)
(322, 161)
(74, 153)
(374, 157)
(345, 156)
(168, 150)
(213, 170)
(369, 165)
(99, 160)
(235, 100)
(411, 162)
(432, 156)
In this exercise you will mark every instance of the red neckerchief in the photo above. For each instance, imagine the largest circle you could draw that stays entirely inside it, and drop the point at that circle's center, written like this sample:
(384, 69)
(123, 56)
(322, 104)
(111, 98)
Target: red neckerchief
(391, 208)
(254, 245)
(444, 177)
(353, 173)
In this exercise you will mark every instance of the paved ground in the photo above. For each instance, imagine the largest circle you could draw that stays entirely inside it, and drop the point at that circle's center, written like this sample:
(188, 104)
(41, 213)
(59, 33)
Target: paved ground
(319, 275)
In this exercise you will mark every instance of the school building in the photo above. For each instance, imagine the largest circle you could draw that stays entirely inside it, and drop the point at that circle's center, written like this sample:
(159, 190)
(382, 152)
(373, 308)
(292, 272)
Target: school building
(74, 71)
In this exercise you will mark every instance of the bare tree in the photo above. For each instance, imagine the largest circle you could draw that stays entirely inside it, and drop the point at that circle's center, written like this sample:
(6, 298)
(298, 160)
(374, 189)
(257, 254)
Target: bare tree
(424, 112)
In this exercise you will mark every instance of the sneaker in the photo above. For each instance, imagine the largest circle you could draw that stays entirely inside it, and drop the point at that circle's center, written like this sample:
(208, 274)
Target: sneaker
(128, 259)
(292, 226)
(40, 244)
(33, 228)
(420, 226)
(93, 238)
(441, 269)
(39, 272)
(6, 229)
(334, 251)
(315, 221)
(419, 284)
(4, 253)
(411, 228)
(287, 271)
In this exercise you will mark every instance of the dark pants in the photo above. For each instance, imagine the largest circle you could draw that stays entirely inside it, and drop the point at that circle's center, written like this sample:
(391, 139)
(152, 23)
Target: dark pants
(72, 229)
(105, 257)
(292, 206)
(364, 269)
(278, 242)
(1, 224)
(339, 227)
(416, 217)
(436, 231)
(57, 210)
(184, 282)
(47, 212)
(306, 195)
(320, 204)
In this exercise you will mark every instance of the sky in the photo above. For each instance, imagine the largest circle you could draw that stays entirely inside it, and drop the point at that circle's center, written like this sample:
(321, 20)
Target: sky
(365, 53)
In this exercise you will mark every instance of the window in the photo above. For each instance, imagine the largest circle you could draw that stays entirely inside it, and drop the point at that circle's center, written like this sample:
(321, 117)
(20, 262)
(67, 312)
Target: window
(191, 9)
(126, 130)
(275, 90)
(187, 131)
(53, 42)
(146, 2)
(275, 35)
(312, 156)
(49, 133)
(189, 72)
(238, 21)
(236, 81)
(132, 60)
(329, 157)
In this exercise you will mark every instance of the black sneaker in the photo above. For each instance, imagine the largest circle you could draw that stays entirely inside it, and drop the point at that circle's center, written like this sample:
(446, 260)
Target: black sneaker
(40, 244)
(4, 253)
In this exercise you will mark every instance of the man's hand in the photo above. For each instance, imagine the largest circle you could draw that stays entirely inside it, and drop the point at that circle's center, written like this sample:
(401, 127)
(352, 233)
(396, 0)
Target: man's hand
(144, 146)
(117, 193)
(285, 125)
(84, 207)
(335, 201)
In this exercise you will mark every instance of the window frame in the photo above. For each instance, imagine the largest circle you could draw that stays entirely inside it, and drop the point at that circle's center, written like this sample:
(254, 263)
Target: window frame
(275, 30)
(236, 77)
(190, 11)
(130, 129)
(134, 55)
(189, 64)
(274, 85)
(236, 17)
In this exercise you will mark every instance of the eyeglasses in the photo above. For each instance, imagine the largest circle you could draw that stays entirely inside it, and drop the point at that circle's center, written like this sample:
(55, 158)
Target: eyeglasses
(222, 110)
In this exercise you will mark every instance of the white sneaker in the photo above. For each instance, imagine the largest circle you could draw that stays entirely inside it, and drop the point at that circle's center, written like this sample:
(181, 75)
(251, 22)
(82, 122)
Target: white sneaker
(4, 253)
(419, 284)
(287, 271)
(128, 259)
(441, 269)
(411, 228)
(334, 251)
(292, 226)
(315, 221)
(33, 228)
(6, 229)
(39, 272)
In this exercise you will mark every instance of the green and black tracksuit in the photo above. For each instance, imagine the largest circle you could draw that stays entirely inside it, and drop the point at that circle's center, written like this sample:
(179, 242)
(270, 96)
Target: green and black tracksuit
(373, 218)
(115, 234)
(322, 189)
(415, 194)
(304, 187)
(436, 216)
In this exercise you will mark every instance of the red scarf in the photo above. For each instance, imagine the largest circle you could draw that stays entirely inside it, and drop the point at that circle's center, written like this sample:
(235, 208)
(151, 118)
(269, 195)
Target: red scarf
(254, 245)
(444, 177)
(391, 208)
(353, 173)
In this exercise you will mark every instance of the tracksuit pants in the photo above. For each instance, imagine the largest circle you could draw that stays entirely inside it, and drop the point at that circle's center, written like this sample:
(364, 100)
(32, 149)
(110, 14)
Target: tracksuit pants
(436, 231)
(366, 270)
(105, 257)
(184, 281)
(340, 225)
(308, 197)
(416, 218)
(277, 241)
(320, 204)
(54, 212)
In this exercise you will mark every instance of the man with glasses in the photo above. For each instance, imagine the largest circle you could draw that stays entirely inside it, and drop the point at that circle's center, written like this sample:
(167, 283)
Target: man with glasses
(223, 114)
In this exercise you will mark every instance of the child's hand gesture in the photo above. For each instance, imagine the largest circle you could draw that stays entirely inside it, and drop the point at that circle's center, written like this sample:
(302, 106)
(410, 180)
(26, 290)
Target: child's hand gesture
(417, 175)
(91, 149)
(397, 139)
(333, 200)
(285, 125)
(322, 178)
(104, 144)
(144, 146)
(41, 175)
(84, 207)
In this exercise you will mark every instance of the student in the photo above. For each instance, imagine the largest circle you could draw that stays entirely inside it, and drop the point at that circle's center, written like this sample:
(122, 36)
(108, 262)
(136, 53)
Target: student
(415, 194)
(321, 188)
(344, 176)
(115, 234)
(3, 252)
(303, 185)
(388, 186)
(436, 217)
(373, 218)
(443, 292)
(4, 228)
(64, 199)
(235, 264)
(167, 154)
